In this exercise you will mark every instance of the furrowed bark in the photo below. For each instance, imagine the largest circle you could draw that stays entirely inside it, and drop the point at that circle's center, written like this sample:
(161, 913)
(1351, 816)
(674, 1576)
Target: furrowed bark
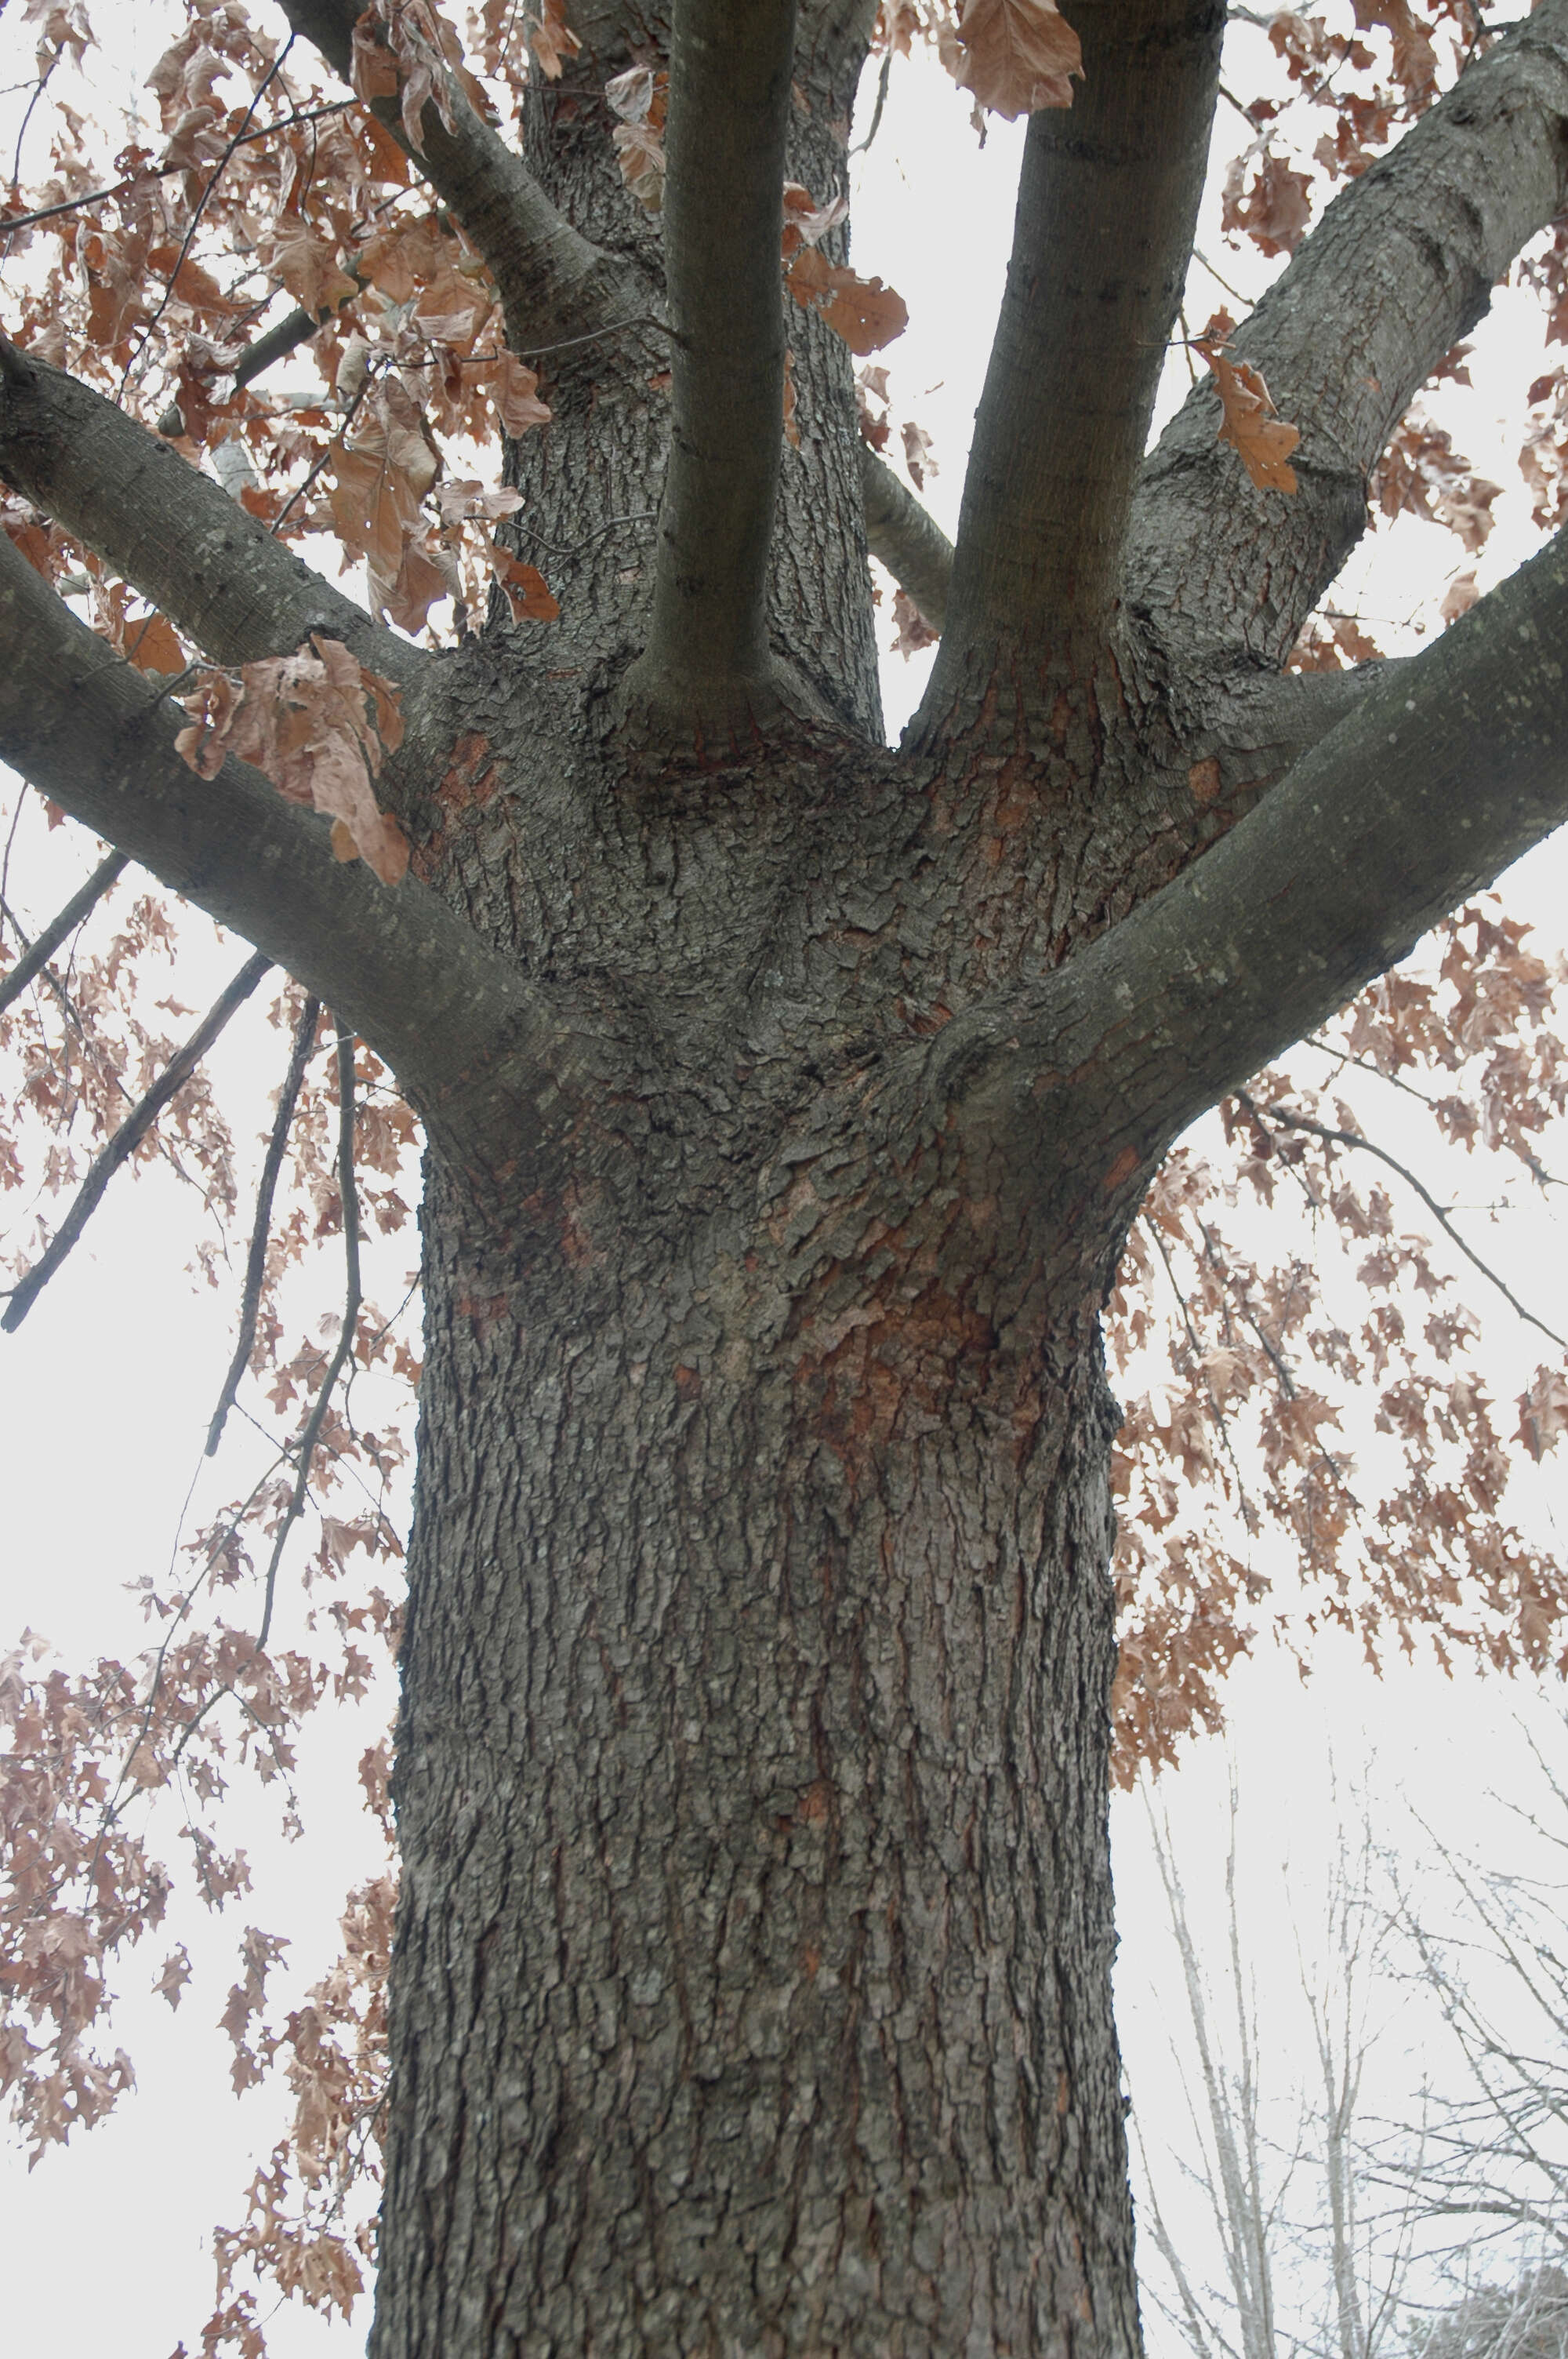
(1106, 203)
(554, 284)
(472, 1049)
(707, 663)
(905, 538)
(1449, 768)
(1399, 269)
(217, 573)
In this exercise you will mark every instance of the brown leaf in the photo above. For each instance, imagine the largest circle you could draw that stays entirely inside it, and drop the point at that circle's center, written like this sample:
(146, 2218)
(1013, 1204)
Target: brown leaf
(151, 646)
(867, 314)
(1264, 439)
(526, 590)
(1017, 56)
(914, 631)
(1276, 213)
(1461, 595)
(515, 394)
(552, 39)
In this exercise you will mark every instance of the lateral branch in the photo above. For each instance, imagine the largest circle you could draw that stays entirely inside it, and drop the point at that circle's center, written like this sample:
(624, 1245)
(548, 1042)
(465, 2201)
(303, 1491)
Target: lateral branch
(217, 572)
(1333, 1137)
(903, 536)
(1445, 773)
(1401, 267)
(82, 904)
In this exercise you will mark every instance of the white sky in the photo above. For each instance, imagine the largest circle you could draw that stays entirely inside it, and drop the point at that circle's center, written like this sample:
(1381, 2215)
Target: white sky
(105, 1393)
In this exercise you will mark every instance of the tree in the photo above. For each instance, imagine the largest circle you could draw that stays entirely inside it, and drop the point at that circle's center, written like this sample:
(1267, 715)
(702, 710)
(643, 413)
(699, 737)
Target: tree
(788, 1100)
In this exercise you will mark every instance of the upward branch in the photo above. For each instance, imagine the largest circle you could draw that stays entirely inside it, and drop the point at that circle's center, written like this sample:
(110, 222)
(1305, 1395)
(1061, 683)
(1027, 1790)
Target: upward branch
(483, 1055)
(1106, 203)
(1402, 265)
(707, 661)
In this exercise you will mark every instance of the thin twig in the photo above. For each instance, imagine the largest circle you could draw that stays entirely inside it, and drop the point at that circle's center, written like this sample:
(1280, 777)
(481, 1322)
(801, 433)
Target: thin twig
(128, 1137)
(45, 945)
(219, 168)
(882, 80)
(1353, 1138)
(352, 1297)
(166, 171)
(637, 516)
(297, 495)
(261, 1228)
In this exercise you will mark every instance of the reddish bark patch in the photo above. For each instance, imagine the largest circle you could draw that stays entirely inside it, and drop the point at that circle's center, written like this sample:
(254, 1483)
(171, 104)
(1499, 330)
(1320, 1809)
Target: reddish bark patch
(471, 778)
(1125, 1165)
(1204, 779)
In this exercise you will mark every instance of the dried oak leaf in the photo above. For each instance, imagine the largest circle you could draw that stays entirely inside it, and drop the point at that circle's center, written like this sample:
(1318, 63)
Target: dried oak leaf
(914, 631)
(316, 723)
(1277, 210)
(527, 592)
(1415, 59)
(514, 391)
(1017, 56)
(805, 222)
(1264, 439)
(867, 314)
(640, 97)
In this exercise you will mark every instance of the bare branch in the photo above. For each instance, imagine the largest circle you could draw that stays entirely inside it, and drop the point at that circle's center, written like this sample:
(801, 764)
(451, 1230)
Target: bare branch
(1326, 1131)
(1442, 776)
(730, 82)
(901, 535)
(261, 1226)
(128, 1137)
(478, 1050)
(218, 574)
(43, 946)
(1400, 267)
(552, 281)
(1106, 203)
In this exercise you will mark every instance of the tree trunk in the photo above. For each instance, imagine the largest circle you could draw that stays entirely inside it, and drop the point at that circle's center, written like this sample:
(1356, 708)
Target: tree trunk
(753, 1986)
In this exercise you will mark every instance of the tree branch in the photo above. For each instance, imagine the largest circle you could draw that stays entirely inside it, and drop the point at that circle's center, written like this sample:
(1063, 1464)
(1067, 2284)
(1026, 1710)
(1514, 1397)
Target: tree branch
(39, 952)
(217, 573)
(1442, 776)
(707, 657)
(905, 536)
(486, 1061)
(128, 1137)
(552, 282)
(1399, 269)
(1333, 1137)
(1106, 203)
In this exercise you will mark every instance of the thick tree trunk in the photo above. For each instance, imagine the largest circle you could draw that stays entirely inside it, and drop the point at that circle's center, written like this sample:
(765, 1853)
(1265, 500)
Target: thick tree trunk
(753, 1989)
